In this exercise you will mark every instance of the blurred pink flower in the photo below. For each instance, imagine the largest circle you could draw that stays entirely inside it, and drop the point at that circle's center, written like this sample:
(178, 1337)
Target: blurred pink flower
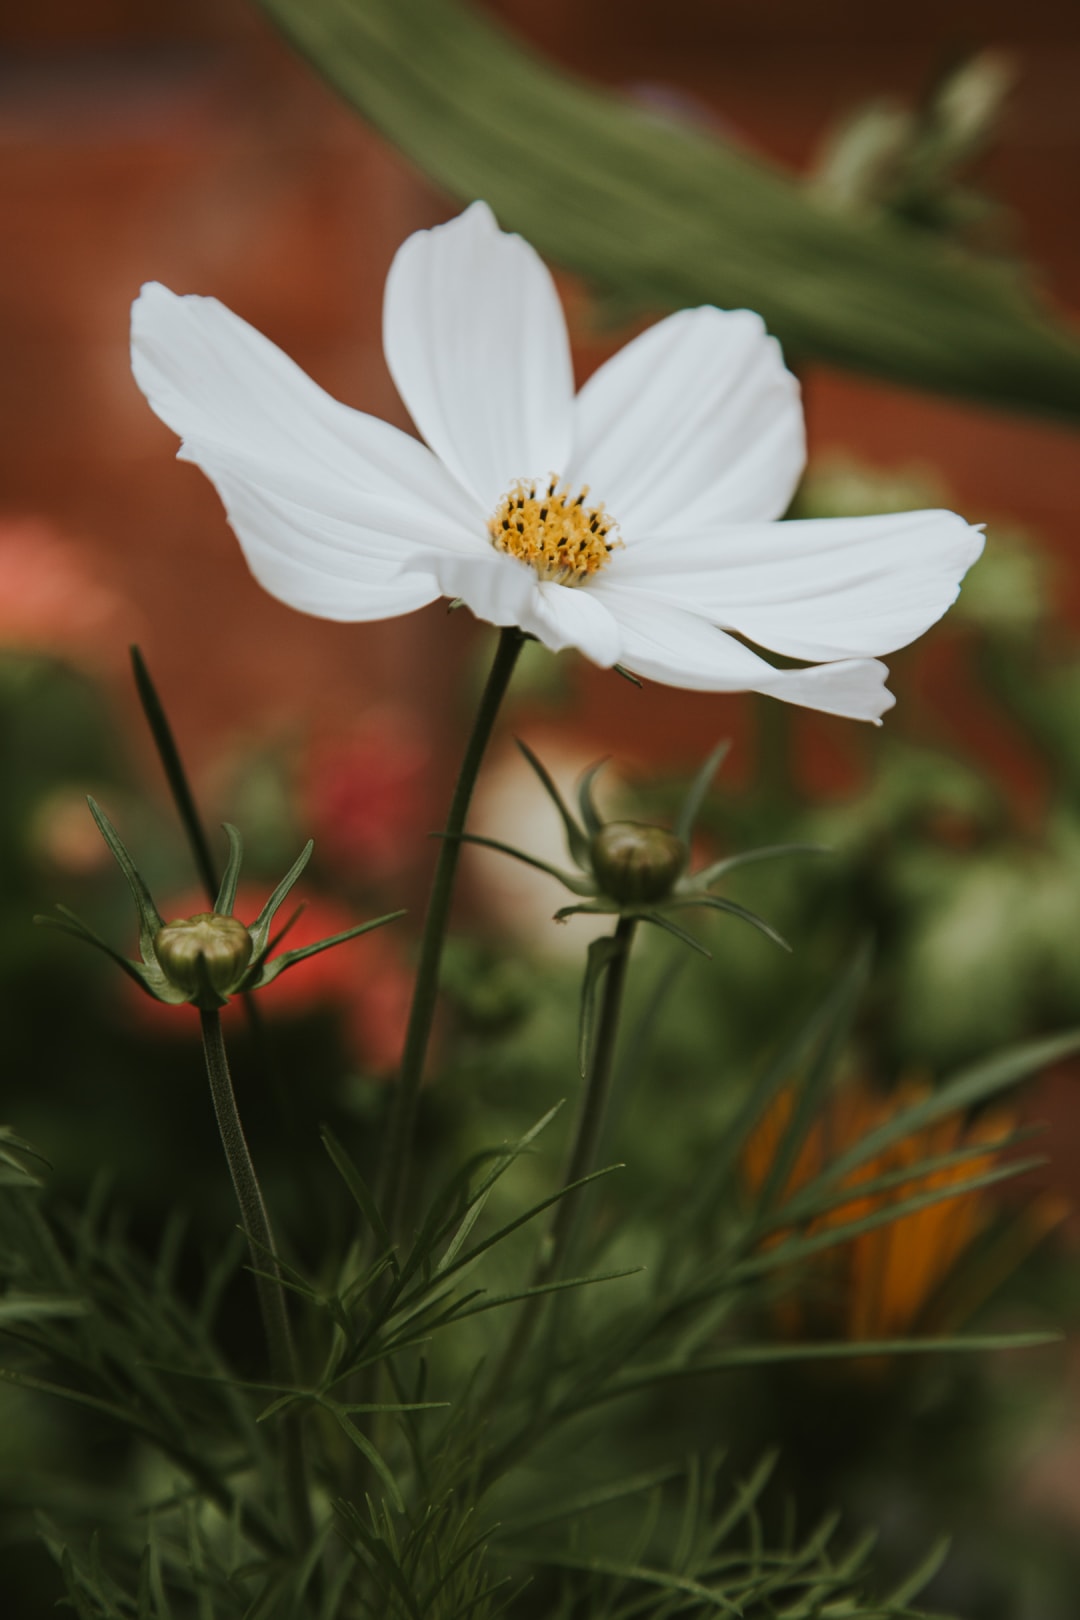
(50, 599)
(364, 795)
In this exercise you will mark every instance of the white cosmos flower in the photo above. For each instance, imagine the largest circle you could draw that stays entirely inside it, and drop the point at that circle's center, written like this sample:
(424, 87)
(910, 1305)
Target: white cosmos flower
(662, 481)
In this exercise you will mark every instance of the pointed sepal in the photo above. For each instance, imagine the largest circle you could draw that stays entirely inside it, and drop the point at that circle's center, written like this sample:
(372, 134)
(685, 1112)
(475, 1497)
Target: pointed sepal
(150, 919)
(260, 928)
(699, 787)
(226, 897)
(576, 839)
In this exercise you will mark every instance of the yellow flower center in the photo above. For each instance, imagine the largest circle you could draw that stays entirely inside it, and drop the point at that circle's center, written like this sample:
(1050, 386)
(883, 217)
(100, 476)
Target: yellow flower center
(558, 532)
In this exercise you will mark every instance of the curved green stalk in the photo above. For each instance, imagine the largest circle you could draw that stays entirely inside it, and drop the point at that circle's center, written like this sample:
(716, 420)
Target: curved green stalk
(394, 1177)
(271, 1293)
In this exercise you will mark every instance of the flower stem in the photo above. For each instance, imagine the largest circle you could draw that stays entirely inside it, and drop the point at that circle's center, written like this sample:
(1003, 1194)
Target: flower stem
(271, 1294)
(394, 1179)
(583, 1150)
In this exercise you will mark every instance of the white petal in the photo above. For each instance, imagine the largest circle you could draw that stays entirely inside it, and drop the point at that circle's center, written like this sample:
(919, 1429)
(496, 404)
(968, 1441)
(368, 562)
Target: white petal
(696, 421)
(678, 648)
(311, 562)
(502, 590)
(476, 343)
(563, 616)
(216, 380)
(822, 588)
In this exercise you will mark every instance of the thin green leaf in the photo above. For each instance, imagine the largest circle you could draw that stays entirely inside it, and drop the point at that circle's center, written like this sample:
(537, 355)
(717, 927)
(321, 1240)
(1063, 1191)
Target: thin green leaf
(746, 1495)
(175, 775)
(381, 1556)
(32, 1307)
(10, 1143)
(226, 896)
(778, 1073)
(699, 787)
(360, 1193)
(920, 1576)
(574, 1506)
(199, 1471)
(838, 1014)
(822, 1194)
(808, 1553)
(576, 839)
(773, 1354)
(479, 1196)
(530, 1214)
(800, 1248)
(966, 1090)
(645, 1574)
(374, 1457)
(496, 1302)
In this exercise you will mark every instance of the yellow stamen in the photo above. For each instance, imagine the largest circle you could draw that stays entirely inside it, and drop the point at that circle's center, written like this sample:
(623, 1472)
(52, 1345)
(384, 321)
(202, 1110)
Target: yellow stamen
(554, 530)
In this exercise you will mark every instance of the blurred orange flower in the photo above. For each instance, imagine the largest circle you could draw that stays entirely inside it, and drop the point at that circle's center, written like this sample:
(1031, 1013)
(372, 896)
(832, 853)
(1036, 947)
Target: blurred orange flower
(902, 1276)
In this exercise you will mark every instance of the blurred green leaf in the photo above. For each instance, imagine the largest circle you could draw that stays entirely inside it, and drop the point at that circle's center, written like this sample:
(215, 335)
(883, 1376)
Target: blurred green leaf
(666, 216)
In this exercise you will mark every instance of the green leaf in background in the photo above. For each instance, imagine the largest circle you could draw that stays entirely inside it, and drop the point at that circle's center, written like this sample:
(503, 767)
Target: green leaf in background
(664, 216)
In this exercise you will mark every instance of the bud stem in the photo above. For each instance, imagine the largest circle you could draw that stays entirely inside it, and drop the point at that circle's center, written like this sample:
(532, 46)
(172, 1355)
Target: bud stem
(560, 1239)
(394, 1180)
(594, 1101)
(271, 1294)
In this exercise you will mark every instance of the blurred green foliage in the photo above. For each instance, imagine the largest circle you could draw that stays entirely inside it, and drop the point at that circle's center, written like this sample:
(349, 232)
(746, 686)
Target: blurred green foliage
(969, 908)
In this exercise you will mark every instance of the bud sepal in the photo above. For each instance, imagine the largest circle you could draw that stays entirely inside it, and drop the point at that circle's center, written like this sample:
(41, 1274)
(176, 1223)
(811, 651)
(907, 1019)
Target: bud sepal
(205, 959)
(637, 870)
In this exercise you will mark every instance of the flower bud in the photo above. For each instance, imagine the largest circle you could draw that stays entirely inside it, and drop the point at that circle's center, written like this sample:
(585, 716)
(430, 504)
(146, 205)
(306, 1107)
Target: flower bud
(636, 863)
(223, 943)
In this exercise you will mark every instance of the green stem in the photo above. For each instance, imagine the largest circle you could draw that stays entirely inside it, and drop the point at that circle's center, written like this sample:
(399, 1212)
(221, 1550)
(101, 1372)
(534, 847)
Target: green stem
(394, 1178)
(582, 1153)
(271, 1293)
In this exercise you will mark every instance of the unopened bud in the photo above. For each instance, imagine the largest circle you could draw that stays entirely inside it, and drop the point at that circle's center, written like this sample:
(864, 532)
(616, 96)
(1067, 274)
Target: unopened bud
(223, 943)
(636, 863)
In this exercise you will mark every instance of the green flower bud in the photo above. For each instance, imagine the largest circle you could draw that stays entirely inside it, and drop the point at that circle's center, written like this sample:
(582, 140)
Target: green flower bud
(635, 863)
(223, 943)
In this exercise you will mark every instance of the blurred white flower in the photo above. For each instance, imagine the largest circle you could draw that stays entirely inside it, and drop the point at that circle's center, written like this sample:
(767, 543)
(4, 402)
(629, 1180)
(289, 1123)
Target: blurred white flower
(635, 521)
(520, 899)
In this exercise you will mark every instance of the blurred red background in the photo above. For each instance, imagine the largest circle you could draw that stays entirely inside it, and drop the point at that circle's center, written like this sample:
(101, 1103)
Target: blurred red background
(146, 139)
